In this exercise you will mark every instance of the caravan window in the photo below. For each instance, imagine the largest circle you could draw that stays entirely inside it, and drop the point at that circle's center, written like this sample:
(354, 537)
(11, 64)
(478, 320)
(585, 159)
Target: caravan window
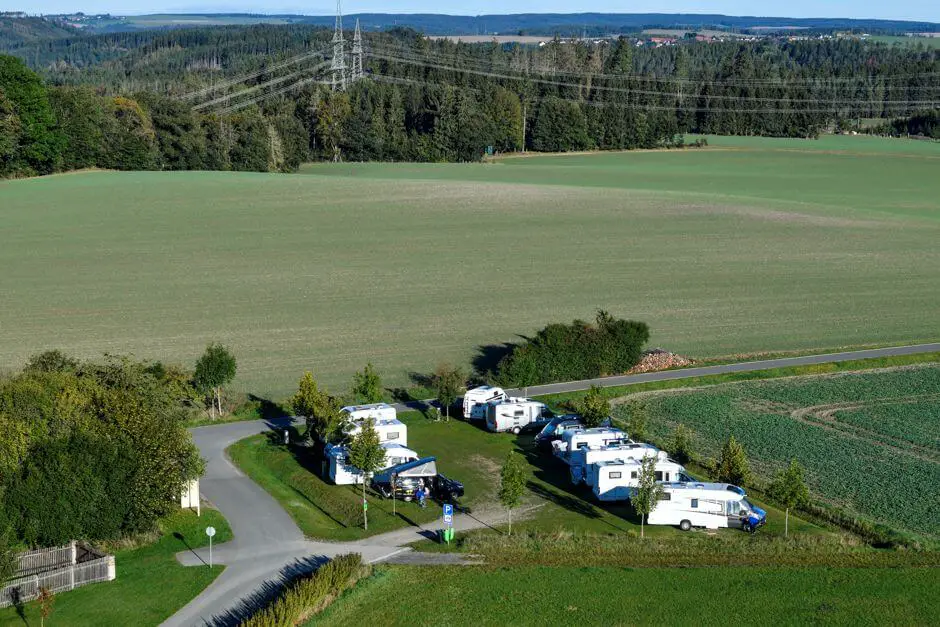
(615, 475)
(659, 475)
(694, 503)
(665, 496)
(392, 435)
(518, 412)
(582, 445)
(633, 475)
(667, 476)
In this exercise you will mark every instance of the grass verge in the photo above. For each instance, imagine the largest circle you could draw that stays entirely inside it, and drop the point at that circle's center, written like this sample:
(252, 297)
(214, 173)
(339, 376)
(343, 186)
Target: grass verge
(150, 586)
(460, 595)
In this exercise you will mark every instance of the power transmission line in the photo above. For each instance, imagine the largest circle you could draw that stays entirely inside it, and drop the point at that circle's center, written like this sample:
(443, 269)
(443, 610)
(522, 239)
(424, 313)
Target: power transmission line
(253, 75)
(628, 90)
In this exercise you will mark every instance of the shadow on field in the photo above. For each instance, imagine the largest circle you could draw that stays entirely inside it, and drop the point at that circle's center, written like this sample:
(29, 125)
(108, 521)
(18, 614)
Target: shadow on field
(488, 357)
(254, 602)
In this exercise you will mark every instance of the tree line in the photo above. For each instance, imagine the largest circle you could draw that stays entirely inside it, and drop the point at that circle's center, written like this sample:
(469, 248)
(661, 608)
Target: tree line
(116, 101)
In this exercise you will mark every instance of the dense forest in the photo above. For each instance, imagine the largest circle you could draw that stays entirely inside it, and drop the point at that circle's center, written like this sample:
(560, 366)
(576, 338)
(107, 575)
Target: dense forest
(258, 98)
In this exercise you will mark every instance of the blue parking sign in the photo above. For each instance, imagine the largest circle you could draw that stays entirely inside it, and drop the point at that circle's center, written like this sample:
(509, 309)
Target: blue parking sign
(448, 513)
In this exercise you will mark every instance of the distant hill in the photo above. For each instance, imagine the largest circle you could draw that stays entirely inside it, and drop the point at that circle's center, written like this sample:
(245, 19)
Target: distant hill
(22, 30)
(527, 23)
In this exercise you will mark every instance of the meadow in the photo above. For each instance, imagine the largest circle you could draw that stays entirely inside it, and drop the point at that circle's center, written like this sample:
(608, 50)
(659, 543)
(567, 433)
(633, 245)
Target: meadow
(750, 245)
(870, 441)
(460, 595)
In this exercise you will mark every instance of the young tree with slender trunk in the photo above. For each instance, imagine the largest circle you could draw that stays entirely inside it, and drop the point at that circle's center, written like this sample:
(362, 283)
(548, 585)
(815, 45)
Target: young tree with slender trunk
(366, 454)
(789, 489)
(512, 481)
(367, 385)
(636, 425)
(447, 382)
(648, 491)
(681, 444)
(214, 369)
(594, 408)
(732, 465)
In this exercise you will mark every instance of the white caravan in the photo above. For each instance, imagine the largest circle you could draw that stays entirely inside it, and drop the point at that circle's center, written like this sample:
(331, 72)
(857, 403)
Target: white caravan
(475, 400)
(709, 505)
(513, 414)
(598, 437)
(341, 472)
(617, 480)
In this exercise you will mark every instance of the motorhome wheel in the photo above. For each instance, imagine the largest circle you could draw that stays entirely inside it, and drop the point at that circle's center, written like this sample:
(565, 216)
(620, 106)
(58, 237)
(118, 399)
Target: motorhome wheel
(516, 430)
(747, 527)
(685, 525)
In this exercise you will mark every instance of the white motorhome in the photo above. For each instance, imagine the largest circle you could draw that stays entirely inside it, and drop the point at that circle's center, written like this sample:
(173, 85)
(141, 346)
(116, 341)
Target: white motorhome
(375, 411)
(617, 480)
(513, 414)
(386, 423)
(598, 437)
(341, 472)
(709, 505)
(582, 459)
(475, 400)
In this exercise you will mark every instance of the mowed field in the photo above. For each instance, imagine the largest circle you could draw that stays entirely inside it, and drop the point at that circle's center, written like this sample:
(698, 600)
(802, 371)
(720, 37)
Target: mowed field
(870, 441)
(749, 245)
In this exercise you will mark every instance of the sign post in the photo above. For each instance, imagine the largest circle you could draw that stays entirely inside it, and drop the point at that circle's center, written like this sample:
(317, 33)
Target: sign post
(449, 521)
(210, 531)
(394, 482)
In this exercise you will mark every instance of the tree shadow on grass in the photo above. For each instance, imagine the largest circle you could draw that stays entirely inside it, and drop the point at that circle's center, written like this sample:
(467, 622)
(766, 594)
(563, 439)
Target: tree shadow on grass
(576, 499)
(267, 409)
(488, 356)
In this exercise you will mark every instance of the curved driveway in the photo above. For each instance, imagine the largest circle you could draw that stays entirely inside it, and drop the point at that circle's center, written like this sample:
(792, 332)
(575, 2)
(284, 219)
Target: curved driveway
(268, 545)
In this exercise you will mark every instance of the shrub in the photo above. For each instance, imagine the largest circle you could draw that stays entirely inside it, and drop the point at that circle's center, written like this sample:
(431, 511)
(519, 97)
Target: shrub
(309, 594)
(563, 352)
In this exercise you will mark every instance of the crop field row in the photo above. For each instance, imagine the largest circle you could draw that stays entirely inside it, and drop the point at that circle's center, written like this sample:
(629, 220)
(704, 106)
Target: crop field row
(870, 441)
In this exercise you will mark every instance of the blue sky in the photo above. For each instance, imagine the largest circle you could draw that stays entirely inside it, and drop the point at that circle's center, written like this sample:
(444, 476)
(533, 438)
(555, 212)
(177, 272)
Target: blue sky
(927, 10)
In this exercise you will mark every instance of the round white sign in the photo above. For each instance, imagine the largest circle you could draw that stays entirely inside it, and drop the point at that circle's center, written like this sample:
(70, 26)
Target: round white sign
(210, 531)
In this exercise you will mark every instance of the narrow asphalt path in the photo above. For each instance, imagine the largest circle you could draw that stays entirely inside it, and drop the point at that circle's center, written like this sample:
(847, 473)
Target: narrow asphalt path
(268, 547)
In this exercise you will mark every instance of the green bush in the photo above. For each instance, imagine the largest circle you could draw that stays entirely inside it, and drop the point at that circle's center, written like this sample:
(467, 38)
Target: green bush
(580, 350)
(310, 594)
(74, 488)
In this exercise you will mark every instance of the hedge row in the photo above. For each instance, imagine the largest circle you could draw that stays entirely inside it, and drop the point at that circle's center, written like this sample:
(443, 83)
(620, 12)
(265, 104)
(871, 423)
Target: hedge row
(580, 350)
(310, 594)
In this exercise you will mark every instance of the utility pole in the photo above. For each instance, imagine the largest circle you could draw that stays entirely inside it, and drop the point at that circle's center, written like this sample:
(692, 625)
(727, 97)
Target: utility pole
(357, 54)
(338, 64)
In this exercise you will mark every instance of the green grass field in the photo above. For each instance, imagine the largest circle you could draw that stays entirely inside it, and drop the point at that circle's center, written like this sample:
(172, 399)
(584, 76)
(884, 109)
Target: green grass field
(413, 595)
(465, 452)
(150, 586)
(870, 442)
(749, 245)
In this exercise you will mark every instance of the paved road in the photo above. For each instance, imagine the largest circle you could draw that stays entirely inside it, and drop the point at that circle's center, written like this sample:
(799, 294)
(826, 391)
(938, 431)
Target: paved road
(268, 545)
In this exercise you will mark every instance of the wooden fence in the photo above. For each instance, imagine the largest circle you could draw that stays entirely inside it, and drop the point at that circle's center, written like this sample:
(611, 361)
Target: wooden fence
(56, 569)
